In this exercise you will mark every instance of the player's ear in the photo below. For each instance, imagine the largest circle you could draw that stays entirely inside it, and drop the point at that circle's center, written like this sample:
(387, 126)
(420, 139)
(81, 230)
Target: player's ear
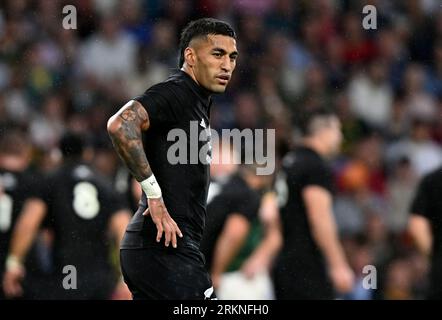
(189, 56)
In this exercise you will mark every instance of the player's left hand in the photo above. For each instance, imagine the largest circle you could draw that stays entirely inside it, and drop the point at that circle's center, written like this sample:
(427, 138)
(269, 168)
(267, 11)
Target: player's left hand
(121, 292)
(253, 265)
(216, 279)
(12, 282)
(342, 277)
(163, 221)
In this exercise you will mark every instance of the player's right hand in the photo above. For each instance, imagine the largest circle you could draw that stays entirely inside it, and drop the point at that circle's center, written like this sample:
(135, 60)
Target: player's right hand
(163, 221)
(12, 282)
(342, 278)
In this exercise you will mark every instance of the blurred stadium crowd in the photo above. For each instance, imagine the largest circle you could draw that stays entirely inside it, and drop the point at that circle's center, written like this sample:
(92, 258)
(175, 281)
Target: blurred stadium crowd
(295, 56)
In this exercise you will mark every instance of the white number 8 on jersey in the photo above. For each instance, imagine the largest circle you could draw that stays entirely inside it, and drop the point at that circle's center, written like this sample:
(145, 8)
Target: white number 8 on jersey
(86, 203)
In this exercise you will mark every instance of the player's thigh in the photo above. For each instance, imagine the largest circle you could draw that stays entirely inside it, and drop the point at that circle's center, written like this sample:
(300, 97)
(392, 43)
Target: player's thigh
(164, 274)
(190, 275)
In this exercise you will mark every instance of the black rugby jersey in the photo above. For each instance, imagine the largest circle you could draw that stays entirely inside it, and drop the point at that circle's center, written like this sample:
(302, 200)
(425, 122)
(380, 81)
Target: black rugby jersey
(80, 205)
(300, 264)
(178, 149)
(428, 203)
(15, 188)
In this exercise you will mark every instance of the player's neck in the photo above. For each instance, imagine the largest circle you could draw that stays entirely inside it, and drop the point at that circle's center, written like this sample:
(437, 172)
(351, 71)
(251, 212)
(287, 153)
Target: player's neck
(250, 179)
(316, 145)
(190, 72)
(13, 163)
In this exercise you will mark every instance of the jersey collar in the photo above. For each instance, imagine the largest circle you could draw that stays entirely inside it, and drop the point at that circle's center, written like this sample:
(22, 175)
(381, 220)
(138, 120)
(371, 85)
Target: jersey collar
(203, 94)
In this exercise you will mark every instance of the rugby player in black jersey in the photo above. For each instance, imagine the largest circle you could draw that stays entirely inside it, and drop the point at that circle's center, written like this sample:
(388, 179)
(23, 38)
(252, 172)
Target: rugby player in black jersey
(425, 226)
(174, 194)
(311, 263)
(15, 187)
(84, 213)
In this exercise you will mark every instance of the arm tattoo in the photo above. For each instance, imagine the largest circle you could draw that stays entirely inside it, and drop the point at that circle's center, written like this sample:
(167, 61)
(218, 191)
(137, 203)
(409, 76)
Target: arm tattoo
(128, 115)
(128, 143)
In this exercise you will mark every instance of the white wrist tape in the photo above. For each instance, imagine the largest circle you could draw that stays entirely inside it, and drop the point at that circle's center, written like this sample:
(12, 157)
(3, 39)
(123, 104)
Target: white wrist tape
(13, 263)
(151, 188)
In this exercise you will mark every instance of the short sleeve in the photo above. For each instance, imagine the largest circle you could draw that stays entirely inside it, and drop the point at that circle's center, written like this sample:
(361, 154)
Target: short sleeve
(246, 205)
(421, 204)
(33, 185)
(44, 188)
(41, 187)
(112, 201)
(161, 104)
(320, 175)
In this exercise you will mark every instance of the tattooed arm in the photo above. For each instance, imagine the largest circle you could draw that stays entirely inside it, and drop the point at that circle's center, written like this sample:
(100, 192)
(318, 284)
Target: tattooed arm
(125, 129)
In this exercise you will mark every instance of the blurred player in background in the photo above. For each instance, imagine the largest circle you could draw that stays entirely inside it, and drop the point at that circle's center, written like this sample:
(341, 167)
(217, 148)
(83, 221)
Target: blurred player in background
(83, 213)
(128, 187)
(175, 197)
(425, 226)
(15, 187)
(238, 243)
(312, 262)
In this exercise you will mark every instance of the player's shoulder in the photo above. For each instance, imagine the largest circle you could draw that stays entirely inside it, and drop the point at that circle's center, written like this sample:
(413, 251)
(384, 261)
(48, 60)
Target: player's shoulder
(175, 83)
(18, 179)
(289, 160)
(433, 178)
(173, 88)
(311, 160)
(85, 172)
(69, 173)
(237, 188)
(9, 180)
(297, 158)
(82, 171)
(304, 161)
(235, 183)
(31, 178)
